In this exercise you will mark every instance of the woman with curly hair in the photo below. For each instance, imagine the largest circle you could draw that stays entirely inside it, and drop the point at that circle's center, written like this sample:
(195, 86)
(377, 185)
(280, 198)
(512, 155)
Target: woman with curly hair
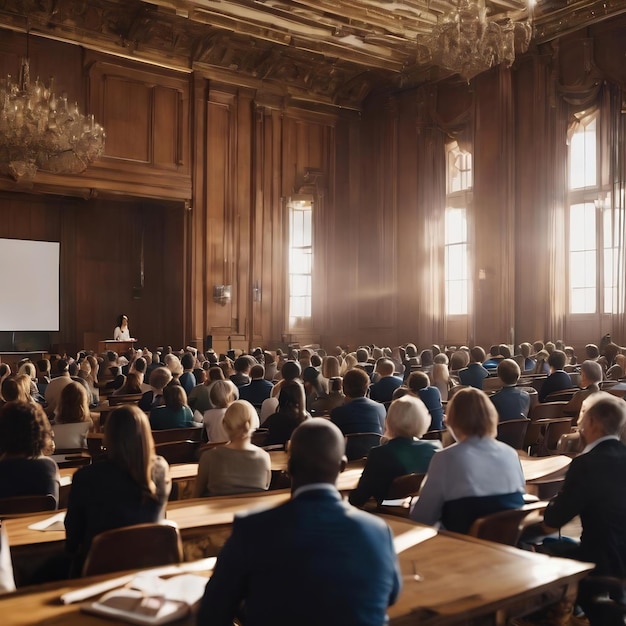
(25, 439)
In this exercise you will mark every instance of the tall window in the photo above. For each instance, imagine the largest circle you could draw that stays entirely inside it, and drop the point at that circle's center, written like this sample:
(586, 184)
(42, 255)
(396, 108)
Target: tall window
(593, 242)
(300, 260)
(458, 198)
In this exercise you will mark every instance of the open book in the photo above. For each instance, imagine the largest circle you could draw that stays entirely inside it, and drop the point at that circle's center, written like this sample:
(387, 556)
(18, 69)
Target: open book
(151, 600)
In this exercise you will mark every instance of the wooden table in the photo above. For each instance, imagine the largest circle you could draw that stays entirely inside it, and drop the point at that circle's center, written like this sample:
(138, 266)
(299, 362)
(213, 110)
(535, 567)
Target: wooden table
(465, 581)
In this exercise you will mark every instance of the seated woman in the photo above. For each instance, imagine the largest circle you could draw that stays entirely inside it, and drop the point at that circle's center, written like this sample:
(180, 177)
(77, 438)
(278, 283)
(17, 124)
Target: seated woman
(420, 386)
(15, 389)
(159, 378)
(73, 419)
(476, 476)
(291, 413)
(25, 437)
(175, 413)
(132, 385)
(130, 486)
(222, 396)
(238, 466)
(404, 453)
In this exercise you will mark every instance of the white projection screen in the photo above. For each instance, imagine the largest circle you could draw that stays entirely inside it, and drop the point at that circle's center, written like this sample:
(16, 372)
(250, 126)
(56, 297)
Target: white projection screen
(29, 285)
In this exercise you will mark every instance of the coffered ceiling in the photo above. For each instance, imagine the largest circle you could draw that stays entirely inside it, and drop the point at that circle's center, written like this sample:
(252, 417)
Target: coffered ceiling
(327, 51)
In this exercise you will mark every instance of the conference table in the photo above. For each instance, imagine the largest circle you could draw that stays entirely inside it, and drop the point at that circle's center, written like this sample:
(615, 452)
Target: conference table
(448, 580)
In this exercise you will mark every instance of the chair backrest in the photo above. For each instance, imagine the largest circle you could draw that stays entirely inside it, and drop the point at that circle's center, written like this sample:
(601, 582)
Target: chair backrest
(434, 435)
(23, 505)
(563, 395)
(134, 547)
(127, 398)
(547, 409)
(189, 433)
(259, 436)
(179, 451)
(545, 488)
(554, 430)
(507, 526)
(513, 432)
(492, 383)
(359, 444)
(405, 486)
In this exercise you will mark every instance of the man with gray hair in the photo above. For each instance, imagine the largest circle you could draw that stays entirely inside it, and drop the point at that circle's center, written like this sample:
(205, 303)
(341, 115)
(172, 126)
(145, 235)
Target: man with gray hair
(595, 489)
(590, 379)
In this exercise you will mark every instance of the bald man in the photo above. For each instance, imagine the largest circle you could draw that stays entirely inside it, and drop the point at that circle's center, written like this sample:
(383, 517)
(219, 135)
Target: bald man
(313, 560)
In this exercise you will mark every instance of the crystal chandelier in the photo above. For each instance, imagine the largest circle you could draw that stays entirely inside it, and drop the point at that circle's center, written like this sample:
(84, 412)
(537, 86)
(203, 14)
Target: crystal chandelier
(466, 41)
(39, 130)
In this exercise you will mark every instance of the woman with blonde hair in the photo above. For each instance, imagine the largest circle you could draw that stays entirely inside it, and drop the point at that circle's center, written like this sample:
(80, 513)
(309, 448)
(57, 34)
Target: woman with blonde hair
(16, 389)
(73, 419)
(404, 453)
(222, 396)
(349, 363)
(130, 486)
(476, 476)
(239, 466)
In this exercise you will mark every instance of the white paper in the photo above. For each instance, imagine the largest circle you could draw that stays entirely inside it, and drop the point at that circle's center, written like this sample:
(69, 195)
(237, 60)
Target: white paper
(56, 522)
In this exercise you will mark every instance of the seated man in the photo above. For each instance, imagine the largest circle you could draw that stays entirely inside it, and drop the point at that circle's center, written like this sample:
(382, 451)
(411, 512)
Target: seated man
(590, 379)
(511, 402)
(474, 374)
(358, 414)
(258, 389)
(420, 386)
(595, 489)
(313, 560)
(558, 380)
(382, 391)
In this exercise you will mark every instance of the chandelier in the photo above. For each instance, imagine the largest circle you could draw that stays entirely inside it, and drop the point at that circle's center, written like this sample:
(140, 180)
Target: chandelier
(39, 130)
(467, 42)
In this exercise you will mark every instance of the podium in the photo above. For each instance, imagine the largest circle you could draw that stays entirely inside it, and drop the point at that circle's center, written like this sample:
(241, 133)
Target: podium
(116, 346)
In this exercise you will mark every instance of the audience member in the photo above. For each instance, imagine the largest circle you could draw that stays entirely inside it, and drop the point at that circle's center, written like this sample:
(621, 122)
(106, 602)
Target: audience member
(590, 378)
(359, 414)
(382, 391)
(159, 378)
(404, 453)
(558, 380)
(222, 396)
(420, 386)
(55, 386)
(73, 420)
(347, 569)
(323, 405)
(175, 412)
(239, 466)
(289, 370)
(130, 486)
(187, 379)
(474, 374)
(510, 401)
(242, 366)
(594, 490)
(290, 414)
(474, 477)
(258, 389)
(25, 439)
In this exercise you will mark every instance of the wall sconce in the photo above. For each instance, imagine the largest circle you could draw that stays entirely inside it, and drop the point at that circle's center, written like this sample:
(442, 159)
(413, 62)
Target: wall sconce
(221, 294)
(256, 291)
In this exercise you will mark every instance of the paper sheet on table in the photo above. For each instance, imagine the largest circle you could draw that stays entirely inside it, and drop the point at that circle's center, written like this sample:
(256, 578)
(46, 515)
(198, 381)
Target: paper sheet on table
(56, 522)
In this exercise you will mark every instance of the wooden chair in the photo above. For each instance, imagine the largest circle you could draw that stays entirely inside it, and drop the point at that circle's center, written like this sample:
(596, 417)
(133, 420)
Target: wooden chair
(402, 490)
(95, 446)
(259, 436)
(562, 396)
(179, 451)
(513, 432)
(190, 433)
(25, 505)
(434, 435)
(134, 547)
(555, 428)
(507, 526)
(491, 384)
(359, 444)
(547, 410)
(545, 488)
(127, 398)
(542, 436)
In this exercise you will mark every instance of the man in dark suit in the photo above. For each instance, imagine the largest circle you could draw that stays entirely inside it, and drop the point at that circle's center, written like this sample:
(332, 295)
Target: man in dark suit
(511, 402)
(382, 391)
(559, 379)
(595, 489)
(313, 560)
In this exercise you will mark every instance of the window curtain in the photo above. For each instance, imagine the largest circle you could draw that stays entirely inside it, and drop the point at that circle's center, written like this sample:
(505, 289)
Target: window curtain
(614, 103)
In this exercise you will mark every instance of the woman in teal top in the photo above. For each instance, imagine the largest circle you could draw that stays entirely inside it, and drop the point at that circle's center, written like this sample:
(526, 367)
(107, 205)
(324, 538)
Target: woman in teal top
(407, 420)
(175, 413)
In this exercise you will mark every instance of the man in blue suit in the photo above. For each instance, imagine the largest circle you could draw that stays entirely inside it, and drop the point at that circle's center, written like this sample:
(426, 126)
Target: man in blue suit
(511, 402)
(313, 560)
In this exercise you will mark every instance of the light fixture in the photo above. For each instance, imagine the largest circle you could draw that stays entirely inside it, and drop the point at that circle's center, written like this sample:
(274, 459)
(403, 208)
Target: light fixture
(40, 131)
(467, 41)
